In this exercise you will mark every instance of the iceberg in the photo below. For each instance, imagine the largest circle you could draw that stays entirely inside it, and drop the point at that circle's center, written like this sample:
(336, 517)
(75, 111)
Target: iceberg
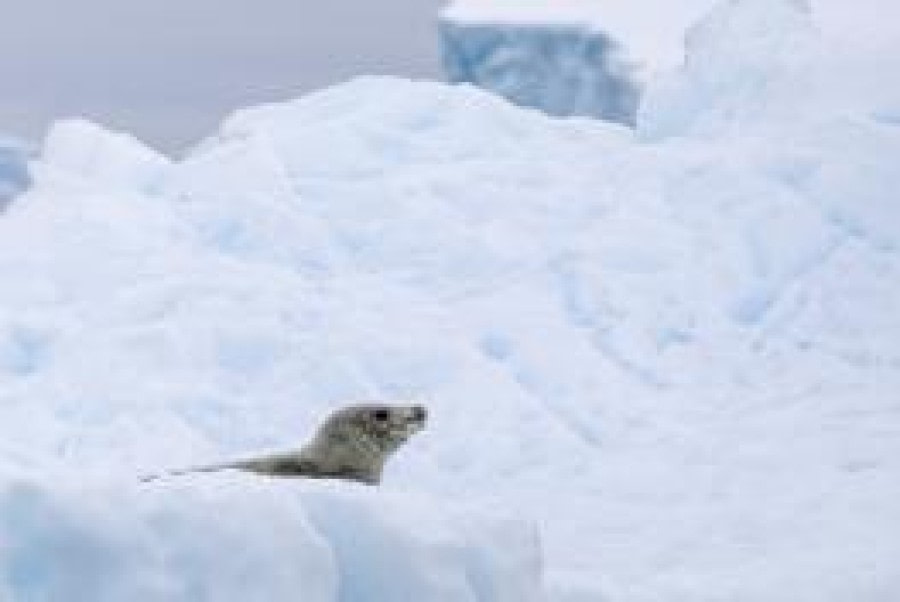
(561, 70)
(597, 58)
(587, 58)
(13, 169)
(660, 363)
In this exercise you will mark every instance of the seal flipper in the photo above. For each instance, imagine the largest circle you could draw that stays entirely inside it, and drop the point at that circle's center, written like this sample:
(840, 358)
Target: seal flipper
(185, 471)
(287, 464)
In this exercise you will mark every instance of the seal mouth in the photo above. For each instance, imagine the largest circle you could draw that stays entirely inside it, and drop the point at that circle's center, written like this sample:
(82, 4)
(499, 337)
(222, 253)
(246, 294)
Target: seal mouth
(414, 420)
(418, 415)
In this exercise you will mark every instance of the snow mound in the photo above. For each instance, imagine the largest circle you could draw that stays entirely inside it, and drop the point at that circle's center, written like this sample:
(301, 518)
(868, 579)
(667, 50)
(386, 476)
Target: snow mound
(672, 351)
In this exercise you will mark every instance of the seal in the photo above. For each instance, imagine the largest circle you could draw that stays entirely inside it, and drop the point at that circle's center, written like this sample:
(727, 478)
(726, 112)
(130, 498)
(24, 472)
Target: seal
(353, 443)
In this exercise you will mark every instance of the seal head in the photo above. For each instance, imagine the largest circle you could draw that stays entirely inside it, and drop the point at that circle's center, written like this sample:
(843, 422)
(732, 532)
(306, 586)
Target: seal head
(356, 441)
(353, 443)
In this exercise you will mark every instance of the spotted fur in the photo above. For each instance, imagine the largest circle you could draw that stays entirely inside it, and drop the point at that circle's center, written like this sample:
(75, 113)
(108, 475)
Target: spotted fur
(353, 443)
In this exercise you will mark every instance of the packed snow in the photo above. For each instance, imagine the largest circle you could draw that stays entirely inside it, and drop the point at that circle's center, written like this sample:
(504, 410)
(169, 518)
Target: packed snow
(660, 363)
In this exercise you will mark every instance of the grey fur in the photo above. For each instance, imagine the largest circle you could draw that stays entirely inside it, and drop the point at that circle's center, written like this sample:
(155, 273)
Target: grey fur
(353, 443)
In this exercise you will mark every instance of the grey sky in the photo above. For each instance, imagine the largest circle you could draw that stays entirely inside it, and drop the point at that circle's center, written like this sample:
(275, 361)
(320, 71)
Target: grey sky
(169, 70)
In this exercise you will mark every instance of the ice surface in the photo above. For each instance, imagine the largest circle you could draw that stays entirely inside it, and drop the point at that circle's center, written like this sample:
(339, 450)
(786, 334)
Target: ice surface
(661, 364)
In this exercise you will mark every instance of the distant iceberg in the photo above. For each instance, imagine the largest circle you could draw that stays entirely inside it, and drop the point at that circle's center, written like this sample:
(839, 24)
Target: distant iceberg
(563, 70)
(13, 169)
(576, 57)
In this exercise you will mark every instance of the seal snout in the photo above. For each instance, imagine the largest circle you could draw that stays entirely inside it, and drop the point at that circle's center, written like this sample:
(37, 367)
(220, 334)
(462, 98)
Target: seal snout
(418, 413)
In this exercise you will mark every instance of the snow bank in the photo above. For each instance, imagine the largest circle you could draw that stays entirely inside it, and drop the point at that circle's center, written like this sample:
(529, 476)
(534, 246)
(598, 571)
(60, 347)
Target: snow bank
(673, 351)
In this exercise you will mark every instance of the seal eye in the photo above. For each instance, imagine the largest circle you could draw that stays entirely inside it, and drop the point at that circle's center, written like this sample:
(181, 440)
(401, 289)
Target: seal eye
(380, 415)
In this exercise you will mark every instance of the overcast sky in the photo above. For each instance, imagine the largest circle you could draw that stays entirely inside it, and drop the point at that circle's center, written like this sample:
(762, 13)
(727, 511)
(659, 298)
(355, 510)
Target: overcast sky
(169, 70)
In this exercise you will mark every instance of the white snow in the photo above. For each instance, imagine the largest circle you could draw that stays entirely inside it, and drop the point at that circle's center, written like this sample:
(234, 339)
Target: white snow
(660, 364)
